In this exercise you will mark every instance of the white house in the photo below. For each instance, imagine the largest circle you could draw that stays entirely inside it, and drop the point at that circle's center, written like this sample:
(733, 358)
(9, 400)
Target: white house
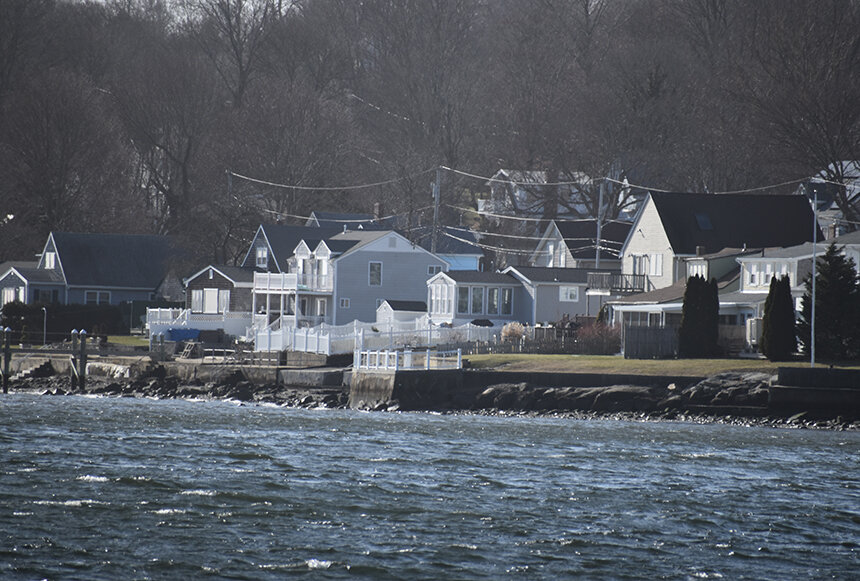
(671, 228)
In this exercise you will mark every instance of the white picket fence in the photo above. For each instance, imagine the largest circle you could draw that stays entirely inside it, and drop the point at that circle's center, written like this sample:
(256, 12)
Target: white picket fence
(159, 321)
(331, 340)
(392, 360)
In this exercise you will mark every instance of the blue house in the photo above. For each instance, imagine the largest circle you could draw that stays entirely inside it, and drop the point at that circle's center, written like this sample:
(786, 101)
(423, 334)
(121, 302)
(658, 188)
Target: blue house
(94, 269)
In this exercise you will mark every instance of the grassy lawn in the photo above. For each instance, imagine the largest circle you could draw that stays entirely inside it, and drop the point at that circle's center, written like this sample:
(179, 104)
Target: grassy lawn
(617, 364)
(132, 340)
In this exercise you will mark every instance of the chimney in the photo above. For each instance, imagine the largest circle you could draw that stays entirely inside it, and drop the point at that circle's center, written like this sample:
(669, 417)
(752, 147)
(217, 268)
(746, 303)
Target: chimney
(377, 211)
(700, 250)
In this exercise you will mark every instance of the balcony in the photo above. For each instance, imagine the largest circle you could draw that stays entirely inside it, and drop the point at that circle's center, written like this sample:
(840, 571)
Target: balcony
(616, 283)
(291, 282)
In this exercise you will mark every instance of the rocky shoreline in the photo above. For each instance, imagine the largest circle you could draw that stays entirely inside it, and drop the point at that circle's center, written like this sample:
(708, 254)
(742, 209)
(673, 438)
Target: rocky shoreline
(729, 398)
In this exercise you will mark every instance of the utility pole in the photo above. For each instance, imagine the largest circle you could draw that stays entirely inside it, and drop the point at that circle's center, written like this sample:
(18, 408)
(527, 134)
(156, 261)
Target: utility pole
(599, 224)
(814, 260)
(437, 185)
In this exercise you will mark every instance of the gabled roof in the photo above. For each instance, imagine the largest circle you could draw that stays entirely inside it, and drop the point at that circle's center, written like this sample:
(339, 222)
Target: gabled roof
(283, 239)
(580, 236)
(354, 239)
(235, 274)
(728, 283)
(475, 276)
(410, 306)
(450, 240)
(32, 274)
(805, 250)
(113, 260)
(538, 274)
(717, 221)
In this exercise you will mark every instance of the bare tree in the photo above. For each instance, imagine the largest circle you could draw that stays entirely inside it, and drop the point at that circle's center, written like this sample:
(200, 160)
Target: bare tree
(232, 33)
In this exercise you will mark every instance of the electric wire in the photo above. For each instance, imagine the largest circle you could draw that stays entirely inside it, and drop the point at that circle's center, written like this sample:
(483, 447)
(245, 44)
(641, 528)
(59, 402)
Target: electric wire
(331, 188)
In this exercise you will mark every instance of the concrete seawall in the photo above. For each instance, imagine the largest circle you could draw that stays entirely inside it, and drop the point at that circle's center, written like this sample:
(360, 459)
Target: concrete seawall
(458, 389)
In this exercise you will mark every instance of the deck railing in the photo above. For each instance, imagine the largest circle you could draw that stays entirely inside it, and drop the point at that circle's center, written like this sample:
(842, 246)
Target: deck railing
(393, 360)
(290, 282)
(617, 282)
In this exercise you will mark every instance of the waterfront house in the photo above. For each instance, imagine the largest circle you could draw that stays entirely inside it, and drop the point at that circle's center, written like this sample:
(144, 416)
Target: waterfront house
(574, 244)
(669, 228)
(95, 269)
(458, 297)
(551, 294)
(342, 278)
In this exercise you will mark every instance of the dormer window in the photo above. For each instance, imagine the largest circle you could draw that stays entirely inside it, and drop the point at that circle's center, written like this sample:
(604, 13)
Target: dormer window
(50, 260)
(262, 257)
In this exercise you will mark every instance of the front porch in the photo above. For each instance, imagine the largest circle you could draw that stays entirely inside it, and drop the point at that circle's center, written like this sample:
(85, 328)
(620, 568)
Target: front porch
(292, 299)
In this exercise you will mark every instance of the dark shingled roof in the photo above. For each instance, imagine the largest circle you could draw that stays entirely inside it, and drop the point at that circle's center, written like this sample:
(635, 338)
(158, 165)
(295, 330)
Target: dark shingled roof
(580, 236)
(543, 274)
(283, 239)
(33, 274)
(412, 306)
(446, 242)
(474, 276)
(113, 260)
(718, 221)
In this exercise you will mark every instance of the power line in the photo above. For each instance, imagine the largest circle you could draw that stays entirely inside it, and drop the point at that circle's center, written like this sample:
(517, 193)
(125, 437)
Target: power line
(518, 183)
(330, 188)
(350, 221)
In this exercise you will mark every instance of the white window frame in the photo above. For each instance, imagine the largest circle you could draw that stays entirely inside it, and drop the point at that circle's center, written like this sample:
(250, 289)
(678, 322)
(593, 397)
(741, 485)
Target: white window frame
(655, 264)
(498, 295)
(468, 298)
(434, 269)
(344, 302)
(262, 257)
(223, 301)
(50, 260)
(476, 293)
(370, 266)
(321, 307)
(509, 302)
(197, 300)
(101, 297)
(568, 294)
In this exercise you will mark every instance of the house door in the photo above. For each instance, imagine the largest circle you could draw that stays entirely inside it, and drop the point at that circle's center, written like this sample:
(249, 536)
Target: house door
(210, 300)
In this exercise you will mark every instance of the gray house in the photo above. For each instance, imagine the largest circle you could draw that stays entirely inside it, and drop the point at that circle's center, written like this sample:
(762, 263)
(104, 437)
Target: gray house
(94, 269)
(342, 278)
(458, 297)
(551, 293)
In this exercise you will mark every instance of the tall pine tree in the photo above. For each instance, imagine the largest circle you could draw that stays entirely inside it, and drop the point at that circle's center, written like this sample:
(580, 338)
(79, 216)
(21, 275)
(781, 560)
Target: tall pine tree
(837, 308)
(697, 336)
(778, 337)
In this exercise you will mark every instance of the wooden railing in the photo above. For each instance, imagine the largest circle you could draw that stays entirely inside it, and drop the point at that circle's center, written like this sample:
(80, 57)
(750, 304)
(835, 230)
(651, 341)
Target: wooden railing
(617, 282)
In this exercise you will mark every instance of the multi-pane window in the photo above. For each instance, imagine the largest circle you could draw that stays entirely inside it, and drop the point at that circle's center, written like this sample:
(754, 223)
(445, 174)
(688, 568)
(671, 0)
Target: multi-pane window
(97, 297)
(50, 259)
(434, 269)
(262, 257)
(477, 300)
(568, 294)
(463, 300)
(344, 303)
(507, 301)
(492, 301)
(375, 274)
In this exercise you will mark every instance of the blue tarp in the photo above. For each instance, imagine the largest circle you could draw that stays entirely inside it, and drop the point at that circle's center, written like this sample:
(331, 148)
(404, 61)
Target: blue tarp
(183, 334)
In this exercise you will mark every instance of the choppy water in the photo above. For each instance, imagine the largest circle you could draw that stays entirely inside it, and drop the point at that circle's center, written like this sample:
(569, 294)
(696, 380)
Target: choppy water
(122, 488)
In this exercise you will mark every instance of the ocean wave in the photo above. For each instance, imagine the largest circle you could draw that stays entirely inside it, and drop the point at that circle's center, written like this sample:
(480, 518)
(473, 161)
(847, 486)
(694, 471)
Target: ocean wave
(92, 478)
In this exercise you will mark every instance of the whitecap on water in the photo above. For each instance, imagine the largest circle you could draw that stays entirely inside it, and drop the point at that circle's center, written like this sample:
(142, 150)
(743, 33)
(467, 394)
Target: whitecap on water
(92, 478)
(199, 492)
(318, 564)
(170, 511)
